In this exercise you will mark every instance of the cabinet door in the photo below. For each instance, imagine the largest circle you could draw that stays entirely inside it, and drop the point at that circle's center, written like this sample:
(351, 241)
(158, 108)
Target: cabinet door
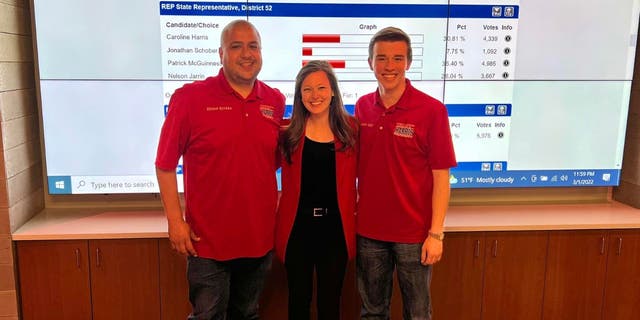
(576, 267)
(54, 280)
(622, 288)
(273, 302)
(124, 279)
(350, 296)
(456, 284)
(514, 275)
(174, 287)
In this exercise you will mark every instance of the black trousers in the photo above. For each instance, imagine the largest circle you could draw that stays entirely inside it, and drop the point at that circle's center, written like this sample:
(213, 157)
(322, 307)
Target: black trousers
(316, 243)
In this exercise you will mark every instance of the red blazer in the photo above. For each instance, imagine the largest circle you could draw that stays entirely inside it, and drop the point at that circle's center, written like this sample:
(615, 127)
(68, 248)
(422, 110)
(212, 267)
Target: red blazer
(346, 162)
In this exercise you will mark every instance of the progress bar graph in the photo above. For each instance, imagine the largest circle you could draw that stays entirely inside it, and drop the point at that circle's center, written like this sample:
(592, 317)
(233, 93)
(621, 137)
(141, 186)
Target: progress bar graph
(348, 54)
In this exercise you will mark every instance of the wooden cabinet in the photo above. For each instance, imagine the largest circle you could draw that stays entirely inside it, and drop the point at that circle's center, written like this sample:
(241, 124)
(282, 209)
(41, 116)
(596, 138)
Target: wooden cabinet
(593, 275)
(590, 274)
(273, 303)
(174, 287)
(456, 285)
(493, 275)
(54, 280)
(514, 275)
(95, 279)
(124, 279)
(622, 284)
(576, 267)
(350, 295)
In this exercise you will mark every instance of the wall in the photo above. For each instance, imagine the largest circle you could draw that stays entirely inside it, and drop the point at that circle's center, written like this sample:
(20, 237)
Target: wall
(21, 189)
(629, 189)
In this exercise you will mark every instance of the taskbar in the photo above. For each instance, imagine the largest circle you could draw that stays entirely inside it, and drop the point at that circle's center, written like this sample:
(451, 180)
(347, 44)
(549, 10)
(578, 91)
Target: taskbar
(534, 178)
(458, 178)
(59, 184)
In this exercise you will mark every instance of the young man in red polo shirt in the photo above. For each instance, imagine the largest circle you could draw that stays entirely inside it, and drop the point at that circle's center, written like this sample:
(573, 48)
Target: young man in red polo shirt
(225, 128)
(403, 182)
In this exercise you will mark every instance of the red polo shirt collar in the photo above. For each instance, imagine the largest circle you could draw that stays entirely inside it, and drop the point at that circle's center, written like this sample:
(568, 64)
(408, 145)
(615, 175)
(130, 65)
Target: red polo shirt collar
(257, 92)
(403, 103)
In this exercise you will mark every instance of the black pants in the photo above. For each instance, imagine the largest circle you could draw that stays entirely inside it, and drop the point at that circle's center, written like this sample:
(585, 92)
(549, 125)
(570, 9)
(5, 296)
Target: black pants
(316, 243)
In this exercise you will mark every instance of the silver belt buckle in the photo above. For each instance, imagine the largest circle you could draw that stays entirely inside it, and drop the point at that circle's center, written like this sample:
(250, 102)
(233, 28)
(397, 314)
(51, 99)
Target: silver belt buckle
(319, 212)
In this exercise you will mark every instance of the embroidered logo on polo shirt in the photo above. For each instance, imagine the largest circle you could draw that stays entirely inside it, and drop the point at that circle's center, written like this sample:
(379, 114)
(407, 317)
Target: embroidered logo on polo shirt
(219, 108)
(405, 130)
(267, 111)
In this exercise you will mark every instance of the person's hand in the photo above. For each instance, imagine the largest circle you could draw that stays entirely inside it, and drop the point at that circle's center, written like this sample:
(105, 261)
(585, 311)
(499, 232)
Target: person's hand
(181, 237)
(431, 251)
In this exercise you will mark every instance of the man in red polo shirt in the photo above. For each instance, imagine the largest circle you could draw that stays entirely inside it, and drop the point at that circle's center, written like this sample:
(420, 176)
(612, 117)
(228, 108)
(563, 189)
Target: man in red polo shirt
(225, 128)
(403, 182)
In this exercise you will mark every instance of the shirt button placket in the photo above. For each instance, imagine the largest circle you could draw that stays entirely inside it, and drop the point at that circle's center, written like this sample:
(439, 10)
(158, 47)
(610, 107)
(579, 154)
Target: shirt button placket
(382, 121)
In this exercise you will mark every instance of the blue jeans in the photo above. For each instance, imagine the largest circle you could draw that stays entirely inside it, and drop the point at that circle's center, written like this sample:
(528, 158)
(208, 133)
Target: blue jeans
(226, 290)
(375, 263)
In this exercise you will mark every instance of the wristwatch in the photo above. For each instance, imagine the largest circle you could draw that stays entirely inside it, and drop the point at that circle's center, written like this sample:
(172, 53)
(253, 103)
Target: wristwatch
(437, 236)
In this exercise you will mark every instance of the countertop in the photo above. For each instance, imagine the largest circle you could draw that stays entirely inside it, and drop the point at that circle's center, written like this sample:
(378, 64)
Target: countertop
(61, 224)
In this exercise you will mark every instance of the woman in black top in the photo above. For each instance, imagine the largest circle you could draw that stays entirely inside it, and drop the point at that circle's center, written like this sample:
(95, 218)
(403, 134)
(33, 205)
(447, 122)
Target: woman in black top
(315, 227)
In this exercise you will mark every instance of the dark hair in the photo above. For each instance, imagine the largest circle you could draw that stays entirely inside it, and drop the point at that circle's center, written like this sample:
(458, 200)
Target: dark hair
(391, 34)
(340, 121)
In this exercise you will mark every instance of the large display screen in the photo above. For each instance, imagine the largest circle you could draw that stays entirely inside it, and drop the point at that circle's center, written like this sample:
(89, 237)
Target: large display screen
(537, 91)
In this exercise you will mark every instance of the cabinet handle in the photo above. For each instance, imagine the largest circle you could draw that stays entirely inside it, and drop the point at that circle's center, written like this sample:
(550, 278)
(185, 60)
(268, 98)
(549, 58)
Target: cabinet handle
(602, 246)
(97, 257)
(619, 246)
(477, 249)
(77, 258)
(495, 248)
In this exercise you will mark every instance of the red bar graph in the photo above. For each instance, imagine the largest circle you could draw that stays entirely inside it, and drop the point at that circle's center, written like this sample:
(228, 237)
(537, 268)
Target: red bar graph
(336, 64)
(347, 53)
(322, 38)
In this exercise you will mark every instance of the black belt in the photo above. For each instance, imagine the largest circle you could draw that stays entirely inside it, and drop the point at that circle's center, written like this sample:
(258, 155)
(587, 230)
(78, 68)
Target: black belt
(320, 212)
(317, 212)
